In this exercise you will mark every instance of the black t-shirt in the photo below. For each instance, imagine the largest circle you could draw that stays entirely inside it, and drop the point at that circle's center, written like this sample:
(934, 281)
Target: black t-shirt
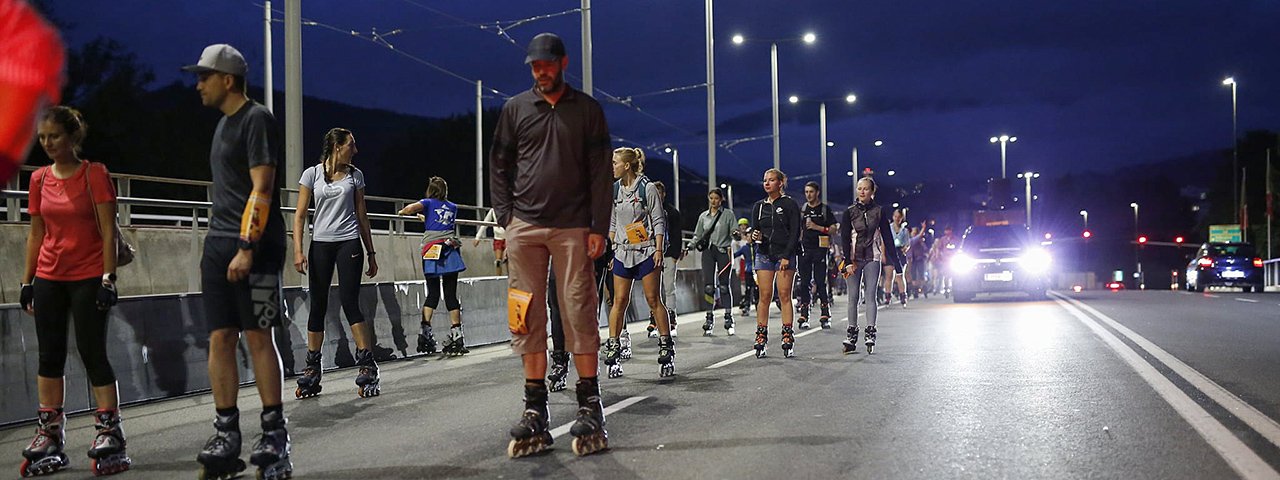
(820, 215)
(243, 140)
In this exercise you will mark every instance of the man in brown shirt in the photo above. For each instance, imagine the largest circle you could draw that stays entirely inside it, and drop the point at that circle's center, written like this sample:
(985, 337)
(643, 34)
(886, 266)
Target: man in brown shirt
(550, 186)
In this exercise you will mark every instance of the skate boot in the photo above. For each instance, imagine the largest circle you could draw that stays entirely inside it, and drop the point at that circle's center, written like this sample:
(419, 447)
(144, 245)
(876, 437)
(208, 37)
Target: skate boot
(709, 325)
(271, 453)
(624, 340)
(454, 345)
(671, 320)
(825, 318)
(309, 382)
(851, 339)
(44, 455)
(559, 370)
(220, 458)
(588, 431)
(728, 324)
(426, 341)
(530, 435)
(652, 329)
(666, 357)
(788, 342)
(367, 379)
(762, 341)
(612, 350)
(870, 334)
(804, 317)
(107, 451)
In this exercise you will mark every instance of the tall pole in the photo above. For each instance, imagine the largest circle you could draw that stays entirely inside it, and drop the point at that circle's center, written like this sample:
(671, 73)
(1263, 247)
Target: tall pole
(268, 89)
(822, 122)
(1028, 179)
(777, 139)
(1002, 155)
(855, 171)
(1235, 153)
(1269, 207)
(587, 84)
(292, 90)
(479, 144)
(675, 166)
(711, 102)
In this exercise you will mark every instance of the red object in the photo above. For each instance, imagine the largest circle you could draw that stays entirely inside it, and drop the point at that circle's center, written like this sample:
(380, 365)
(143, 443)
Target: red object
(1205, 262)
(1115, 286)
(1257, 262)
(1177, 239)
(1087, 234)
(71, 248)
(1142, 239)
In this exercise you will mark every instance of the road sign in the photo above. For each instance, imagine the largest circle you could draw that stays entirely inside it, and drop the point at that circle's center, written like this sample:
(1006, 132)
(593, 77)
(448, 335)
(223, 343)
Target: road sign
(1225, 233)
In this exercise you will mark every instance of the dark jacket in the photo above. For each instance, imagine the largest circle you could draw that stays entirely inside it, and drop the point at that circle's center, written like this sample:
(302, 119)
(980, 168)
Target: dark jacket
(673, 235)
(779, 224)
(868, 220)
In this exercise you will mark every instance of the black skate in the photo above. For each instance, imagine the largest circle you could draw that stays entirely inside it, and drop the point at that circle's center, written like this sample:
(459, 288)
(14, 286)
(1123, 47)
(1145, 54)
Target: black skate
(788, 342)
(652, 329)
(454, 344)
(367, 378)
(666, 357)
(728, 324)
(309, 382)
(426, 341)
(589, 435)
(825, 318)
(851, 340)
(624, 340)
(559, 371)
(762, 341)
(220, 458)
(271, 453)
(107, 451)
(709, 325)
(804, 318)
(530, 435)
(610, 355)
(44, 455)
(870, 336)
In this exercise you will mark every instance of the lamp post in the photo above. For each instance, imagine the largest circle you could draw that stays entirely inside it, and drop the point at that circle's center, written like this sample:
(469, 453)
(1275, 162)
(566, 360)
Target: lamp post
(1142, 284)
(808, 38)
(822, 134)
(1135, 217)
(1235, 150)
(1004, 140)
(1028, 176)
(675, 174)
(855, 174)
(1085, 214)
(728, 189)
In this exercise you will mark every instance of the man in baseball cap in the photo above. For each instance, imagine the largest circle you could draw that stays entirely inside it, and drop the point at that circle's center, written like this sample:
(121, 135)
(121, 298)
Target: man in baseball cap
(223, 58)
(546, 47)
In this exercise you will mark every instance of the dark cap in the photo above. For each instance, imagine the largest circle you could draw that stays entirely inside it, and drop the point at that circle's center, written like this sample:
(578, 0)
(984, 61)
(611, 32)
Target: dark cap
(545, 46)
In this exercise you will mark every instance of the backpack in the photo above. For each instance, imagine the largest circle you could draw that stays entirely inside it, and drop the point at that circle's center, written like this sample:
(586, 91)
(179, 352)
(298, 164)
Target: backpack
(642, 187)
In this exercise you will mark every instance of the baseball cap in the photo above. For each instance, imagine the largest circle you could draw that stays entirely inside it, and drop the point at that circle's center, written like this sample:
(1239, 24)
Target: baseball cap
(545, 46)
(220, 58)
(742, 221)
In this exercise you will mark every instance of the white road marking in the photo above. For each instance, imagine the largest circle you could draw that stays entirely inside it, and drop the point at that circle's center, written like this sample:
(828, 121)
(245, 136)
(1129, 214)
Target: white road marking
(752, 352)
(1250, 300)
(1210, 295)
(1239, 456)
(609, 410)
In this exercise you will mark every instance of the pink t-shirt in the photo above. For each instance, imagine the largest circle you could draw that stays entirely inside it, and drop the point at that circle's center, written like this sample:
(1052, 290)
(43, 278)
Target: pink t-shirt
(72, 246)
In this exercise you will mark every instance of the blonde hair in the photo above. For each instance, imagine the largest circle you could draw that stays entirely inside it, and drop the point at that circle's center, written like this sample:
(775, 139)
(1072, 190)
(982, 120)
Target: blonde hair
(632, 157)
(780, 176)
(874, 187)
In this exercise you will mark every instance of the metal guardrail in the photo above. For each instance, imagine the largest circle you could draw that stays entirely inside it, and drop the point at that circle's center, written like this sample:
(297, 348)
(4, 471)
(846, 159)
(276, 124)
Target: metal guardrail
(1271, 273)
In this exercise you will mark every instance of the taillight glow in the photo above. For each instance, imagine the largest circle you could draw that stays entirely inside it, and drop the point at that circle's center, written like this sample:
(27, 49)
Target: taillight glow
(1257, 262)
(1114, 285)
(1205, 262)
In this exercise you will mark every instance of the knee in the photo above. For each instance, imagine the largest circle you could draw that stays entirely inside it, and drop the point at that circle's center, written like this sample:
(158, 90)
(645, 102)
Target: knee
(223, 339)
(52, 364)
(260, 340)
(453, 303)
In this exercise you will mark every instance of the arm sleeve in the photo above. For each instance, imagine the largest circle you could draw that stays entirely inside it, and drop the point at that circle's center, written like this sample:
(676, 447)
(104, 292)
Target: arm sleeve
(100, 181)
(358, 177)
(599, 165)
(846, 236)
(308, 178)
(697, 228)
(502, 165)
(261, 140)
(33, 191)
(793, 227)
(657, 216)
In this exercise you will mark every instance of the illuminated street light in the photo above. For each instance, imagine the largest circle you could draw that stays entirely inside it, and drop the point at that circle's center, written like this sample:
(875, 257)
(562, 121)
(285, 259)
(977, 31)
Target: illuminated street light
(793, 99)
(1004, 140)
(850, 98)
(1028, 176)
(831, 144)
(1235, 153)
(738, 39)
(890, 173)
(809, 38)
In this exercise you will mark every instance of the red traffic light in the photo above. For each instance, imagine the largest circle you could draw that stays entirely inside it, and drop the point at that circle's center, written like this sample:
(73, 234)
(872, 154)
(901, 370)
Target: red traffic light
(1142, 239)
(1087, 234)
(1178, 239)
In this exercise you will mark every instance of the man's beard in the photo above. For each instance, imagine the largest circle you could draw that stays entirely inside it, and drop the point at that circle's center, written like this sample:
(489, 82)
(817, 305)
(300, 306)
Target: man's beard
(556, 83)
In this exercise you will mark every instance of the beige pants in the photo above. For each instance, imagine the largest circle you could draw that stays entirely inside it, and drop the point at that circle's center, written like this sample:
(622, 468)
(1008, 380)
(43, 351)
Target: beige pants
(530, 249)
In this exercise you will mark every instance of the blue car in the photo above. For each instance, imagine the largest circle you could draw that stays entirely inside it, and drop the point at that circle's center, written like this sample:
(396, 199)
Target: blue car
(1225, 265)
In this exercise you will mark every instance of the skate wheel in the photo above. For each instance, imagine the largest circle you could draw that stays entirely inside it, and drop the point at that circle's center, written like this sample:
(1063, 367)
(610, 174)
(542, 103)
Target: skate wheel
(22, 469)
(586, 446)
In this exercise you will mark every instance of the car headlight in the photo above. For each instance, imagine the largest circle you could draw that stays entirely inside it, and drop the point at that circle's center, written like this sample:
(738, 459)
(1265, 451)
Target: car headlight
(962, 263)
(1036, 261)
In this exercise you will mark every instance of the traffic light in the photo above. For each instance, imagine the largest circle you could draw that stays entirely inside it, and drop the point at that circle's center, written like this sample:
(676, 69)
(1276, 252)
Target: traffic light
(1142, 240)
(1087, 234)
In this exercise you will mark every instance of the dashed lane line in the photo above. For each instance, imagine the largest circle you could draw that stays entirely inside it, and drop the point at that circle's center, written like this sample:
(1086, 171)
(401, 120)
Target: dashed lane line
(1249, 300)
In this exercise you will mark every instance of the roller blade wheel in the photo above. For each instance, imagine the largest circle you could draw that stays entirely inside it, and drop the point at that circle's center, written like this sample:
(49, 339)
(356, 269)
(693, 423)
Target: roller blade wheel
(280, 470)
(589, 444)
(825, 323)
(110, 464)
(426, 345)
(307, 392)
(788, 350)
(762, 351)
(708, 328)
(43, 466)
(615, 370)
(221, 470)
(368, 391)
(529, 446)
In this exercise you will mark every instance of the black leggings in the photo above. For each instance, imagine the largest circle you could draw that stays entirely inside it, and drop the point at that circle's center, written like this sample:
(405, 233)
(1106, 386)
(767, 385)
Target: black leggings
(813, 272)
(450, 281)
(348, 255)
(716, 276)
(53, 302)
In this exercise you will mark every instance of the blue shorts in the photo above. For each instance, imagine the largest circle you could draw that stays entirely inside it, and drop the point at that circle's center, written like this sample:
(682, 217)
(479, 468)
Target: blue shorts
(639, 271)
(763, 262)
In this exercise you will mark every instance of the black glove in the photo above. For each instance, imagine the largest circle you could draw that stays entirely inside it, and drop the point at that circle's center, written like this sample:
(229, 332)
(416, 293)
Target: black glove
(28, 296)
(107, 296)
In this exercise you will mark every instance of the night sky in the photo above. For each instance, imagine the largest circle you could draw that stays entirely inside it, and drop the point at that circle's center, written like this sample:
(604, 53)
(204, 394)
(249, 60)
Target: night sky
(1086, 85)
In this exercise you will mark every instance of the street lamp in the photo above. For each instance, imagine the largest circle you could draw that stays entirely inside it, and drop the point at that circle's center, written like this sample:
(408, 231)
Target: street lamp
(809, 38)
(1142, 284)
(1135, 216)
(855, 173)
(1235, 150)
(675, 167)
(728, 193)
(1085, 214)
(1028, 176)
(1004, 141)
(822, 133)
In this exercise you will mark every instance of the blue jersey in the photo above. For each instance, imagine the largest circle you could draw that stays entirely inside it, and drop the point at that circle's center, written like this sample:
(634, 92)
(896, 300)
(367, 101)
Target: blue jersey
(440, 214)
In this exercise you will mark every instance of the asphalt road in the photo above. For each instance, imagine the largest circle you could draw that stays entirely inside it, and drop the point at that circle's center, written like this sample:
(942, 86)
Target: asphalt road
(1084, 385)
